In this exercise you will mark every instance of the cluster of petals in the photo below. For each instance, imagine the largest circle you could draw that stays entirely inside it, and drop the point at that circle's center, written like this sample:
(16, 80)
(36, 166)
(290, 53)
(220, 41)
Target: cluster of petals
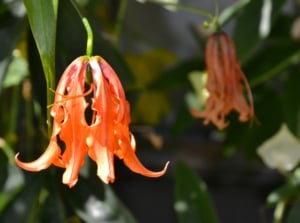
(226, 83)
(102, 137)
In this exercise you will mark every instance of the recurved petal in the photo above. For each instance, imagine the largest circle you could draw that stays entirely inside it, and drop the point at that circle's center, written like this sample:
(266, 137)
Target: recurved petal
(132, 162)
(44, 161)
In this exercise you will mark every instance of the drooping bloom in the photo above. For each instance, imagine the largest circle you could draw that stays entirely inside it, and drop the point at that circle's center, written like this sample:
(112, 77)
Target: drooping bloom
(226, 84)
(102, 137)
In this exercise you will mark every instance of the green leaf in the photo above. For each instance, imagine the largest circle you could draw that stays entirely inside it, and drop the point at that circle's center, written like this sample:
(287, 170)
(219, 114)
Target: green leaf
(283, 193)
(250, 135)
(25, 205)
(290, 100)
(281, 151)
(192, 200)
(52, 210)
(231, 10)
(95, 202)
(246, 34)
(10, 28)
(273, 60)
(42, 17)
(17, 71)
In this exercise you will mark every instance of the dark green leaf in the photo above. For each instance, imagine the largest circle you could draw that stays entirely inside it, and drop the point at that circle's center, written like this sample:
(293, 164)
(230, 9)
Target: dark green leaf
(290, 99)
(97, 203)
(246, 34)
(192, 200)
(25, 205)
(42, 17)
(52, 210)
(250, 135)
(273, 60)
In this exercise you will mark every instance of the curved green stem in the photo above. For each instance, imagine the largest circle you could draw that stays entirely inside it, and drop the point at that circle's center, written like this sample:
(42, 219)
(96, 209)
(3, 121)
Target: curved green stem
(88, 29)
(90, 37)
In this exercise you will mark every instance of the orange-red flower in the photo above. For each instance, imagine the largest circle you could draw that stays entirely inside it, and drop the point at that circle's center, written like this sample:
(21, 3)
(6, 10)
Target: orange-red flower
(105, 135)
(226, 83)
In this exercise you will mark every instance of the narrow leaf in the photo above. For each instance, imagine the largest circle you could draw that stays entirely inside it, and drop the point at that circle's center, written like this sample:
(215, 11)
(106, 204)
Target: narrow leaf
(192, 200)
(42, 17)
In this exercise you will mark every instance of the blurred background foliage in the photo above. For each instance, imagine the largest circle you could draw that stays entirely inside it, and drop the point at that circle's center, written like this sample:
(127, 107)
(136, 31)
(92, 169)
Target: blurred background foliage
(158, 53)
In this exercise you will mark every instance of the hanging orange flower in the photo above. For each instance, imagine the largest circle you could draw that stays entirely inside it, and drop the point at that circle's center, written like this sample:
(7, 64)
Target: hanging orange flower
(105, 135)
(226, 83)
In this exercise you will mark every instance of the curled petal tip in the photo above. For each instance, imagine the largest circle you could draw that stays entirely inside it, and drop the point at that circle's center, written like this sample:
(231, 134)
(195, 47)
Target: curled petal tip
(43, 162)
(162, 172)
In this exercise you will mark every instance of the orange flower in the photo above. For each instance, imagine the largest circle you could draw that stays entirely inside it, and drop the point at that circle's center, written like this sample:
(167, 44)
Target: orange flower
(226, 83)
(106, 135)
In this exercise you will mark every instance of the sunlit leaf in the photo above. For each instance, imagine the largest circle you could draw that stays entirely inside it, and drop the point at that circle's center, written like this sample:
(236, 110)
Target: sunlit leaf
(150, 107)
(197, 100)
(146, 69)
(10, 28)
(281, 151)
(192, 199)
(17, 71)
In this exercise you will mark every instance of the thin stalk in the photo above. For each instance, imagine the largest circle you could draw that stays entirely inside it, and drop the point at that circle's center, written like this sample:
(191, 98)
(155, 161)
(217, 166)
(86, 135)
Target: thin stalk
(50, 83)
(88, 29)
(279, 211)
(120, 19)
(90, 37)
(187, 9)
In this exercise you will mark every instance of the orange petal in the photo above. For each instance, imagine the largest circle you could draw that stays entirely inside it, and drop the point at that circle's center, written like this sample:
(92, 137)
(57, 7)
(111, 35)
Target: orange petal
(44, 161)
(104, 159)
(133, 163)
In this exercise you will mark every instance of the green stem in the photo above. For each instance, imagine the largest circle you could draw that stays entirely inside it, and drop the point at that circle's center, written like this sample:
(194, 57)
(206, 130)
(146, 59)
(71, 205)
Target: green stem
(50, 82)
(88, 29)
(120, 18)
(90, 37)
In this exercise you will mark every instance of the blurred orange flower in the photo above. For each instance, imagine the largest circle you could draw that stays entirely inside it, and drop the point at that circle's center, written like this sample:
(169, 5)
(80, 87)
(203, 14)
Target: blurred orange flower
(105, 135)
(226, 83)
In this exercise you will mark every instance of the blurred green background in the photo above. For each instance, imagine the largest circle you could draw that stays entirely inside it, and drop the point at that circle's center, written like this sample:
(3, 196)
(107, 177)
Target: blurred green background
(246, 173)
